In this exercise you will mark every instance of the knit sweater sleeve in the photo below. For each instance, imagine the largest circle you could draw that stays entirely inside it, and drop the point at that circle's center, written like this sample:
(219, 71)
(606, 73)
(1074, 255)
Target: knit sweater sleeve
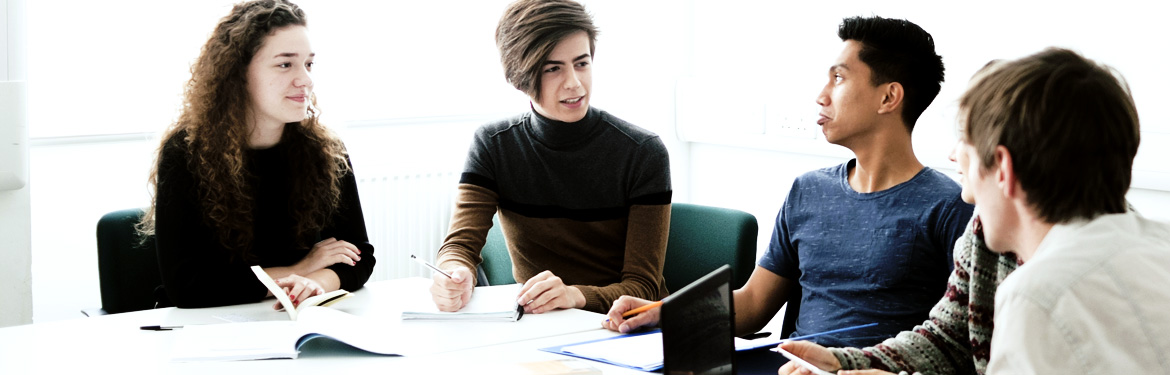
(940, 345)
(349, 224)
(645, 254)
(474, 207)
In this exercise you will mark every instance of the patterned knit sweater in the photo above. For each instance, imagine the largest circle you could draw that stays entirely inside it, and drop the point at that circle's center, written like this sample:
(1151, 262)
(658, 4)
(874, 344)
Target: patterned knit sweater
(957, 338)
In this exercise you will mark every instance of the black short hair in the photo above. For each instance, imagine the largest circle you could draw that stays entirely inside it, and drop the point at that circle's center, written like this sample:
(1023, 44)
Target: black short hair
(897, 50)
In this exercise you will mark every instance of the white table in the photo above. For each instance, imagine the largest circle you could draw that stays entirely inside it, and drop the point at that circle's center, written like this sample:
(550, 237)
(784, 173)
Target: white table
(115, 344)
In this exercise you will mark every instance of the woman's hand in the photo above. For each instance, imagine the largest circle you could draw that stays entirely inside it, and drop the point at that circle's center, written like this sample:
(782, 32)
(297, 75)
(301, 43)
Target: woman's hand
(546, 292)
(326, 253)
(626, 303)
(298, 289)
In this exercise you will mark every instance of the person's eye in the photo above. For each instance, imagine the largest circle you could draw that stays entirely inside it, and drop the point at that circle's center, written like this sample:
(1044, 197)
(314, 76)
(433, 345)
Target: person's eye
(551, 69)
(582, 64)
(837, 78)
(285, 65)
(309, 65)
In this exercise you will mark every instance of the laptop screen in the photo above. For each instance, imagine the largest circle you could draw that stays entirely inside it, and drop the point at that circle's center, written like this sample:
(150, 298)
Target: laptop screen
(697, 327)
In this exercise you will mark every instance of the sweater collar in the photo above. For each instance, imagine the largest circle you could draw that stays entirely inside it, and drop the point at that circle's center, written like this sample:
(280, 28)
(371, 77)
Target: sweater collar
(559, 133)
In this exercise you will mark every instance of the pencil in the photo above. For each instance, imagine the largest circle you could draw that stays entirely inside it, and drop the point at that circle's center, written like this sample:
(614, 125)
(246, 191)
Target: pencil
(431, 266)
(642, 309)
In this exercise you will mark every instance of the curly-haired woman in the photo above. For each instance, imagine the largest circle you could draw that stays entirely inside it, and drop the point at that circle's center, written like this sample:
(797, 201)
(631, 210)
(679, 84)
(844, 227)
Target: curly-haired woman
(248, 176)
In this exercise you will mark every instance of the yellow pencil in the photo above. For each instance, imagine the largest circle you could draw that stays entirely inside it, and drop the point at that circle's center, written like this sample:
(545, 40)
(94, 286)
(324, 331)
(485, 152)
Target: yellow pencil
(642, 309)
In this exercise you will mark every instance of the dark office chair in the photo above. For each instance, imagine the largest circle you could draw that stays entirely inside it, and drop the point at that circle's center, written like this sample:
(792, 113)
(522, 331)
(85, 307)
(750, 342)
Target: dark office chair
(496, 268)
(703, 238)
(127, 267)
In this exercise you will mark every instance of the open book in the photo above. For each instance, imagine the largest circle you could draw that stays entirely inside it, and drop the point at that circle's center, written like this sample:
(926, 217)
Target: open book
(283, 339)
(488, 303)
(324, 299)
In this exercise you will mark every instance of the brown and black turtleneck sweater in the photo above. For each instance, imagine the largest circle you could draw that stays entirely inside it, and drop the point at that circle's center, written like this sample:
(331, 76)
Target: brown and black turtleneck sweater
(589, 201)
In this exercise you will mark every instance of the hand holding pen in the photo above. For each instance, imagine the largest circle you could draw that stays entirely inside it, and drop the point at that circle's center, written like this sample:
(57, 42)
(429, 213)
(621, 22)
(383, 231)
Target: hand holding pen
(450, 289)
(629, 313)
(809, 355)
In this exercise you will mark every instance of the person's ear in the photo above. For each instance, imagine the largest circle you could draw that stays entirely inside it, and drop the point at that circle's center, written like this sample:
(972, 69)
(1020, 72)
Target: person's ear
(1005, 174)
(892, 95)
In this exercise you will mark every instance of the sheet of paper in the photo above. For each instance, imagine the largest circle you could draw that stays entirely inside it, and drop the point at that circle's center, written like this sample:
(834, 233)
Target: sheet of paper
(643, 351)
(235, 341)
(770, 341)
(487, 303)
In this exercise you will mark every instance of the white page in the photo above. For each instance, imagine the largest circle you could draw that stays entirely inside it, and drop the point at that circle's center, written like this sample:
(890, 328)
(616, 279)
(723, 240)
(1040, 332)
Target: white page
(278, 339)
(235, 341)
(487, 303)
(643, 351)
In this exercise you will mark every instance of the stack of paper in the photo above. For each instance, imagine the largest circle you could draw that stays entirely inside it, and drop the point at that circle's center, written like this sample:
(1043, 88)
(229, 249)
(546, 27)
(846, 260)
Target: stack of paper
(493, 303)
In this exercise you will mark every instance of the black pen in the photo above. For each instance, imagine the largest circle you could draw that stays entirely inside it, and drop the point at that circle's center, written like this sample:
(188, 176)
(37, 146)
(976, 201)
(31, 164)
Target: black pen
(159, 328)
(431, 266)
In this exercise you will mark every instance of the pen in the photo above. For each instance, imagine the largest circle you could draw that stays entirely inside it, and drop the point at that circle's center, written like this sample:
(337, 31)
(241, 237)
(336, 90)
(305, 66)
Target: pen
(828, 332)
(814, 369)
(431, 266)
(159, 328)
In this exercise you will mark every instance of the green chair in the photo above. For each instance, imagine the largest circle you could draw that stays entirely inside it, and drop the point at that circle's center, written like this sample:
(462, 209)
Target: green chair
(496, 268)
(702, 238)
(127, 267)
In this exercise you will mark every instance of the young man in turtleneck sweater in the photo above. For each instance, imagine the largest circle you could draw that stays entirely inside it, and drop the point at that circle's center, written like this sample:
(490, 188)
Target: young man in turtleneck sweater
(583, 197)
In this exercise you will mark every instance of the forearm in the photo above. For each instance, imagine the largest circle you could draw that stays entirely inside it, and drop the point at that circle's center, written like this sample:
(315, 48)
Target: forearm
(349, 225)
(759, 300)
(327, 279)
(913, 351)
(474, 208)
(750, 317)
(648, 229)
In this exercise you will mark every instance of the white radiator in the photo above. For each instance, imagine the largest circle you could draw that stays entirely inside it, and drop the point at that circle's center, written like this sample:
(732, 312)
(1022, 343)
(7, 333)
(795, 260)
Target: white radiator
(406, 214)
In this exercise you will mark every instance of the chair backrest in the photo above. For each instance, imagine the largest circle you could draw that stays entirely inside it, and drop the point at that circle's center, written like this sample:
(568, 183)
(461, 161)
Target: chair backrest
(127, 267)
(703, 238)
(496, 268)
(791, 311)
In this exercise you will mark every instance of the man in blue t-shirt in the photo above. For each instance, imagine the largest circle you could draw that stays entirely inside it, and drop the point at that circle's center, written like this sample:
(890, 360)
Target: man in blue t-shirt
(869, 240)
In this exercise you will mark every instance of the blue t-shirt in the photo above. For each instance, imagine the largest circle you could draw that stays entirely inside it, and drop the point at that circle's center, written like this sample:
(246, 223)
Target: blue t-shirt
(866, 257)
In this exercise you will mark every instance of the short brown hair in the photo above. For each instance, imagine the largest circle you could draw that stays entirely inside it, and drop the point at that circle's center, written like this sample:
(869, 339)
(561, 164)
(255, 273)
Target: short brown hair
(528, 32)
(1070, 125)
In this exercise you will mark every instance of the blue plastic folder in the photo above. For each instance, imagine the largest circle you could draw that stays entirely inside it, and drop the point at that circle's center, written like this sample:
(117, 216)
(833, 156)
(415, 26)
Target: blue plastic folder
(561, 350)
(747, 346)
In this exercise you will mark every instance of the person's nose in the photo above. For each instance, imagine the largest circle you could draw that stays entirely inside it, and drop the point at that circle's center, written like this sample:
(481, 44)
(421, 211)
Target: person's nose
(823, 98)
(572, 80)
(304, 78)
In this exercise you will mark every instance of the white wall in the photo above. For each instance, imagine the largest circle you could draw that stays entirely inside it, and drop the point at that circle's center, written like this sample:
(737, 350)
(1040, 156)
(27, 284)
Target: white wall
(749, 109)
(378, 63)
(15, 208)
(385, 62)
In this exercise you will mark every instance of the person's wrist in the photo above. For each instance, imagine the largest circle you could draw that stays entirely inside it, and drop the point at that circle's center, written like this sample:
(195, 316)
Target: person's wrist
(578, 297)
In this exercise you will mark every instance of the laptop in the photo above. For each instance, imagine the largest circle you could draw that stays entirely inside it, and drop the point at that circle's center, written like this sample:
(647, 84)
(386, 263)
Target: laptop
(698, 328)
